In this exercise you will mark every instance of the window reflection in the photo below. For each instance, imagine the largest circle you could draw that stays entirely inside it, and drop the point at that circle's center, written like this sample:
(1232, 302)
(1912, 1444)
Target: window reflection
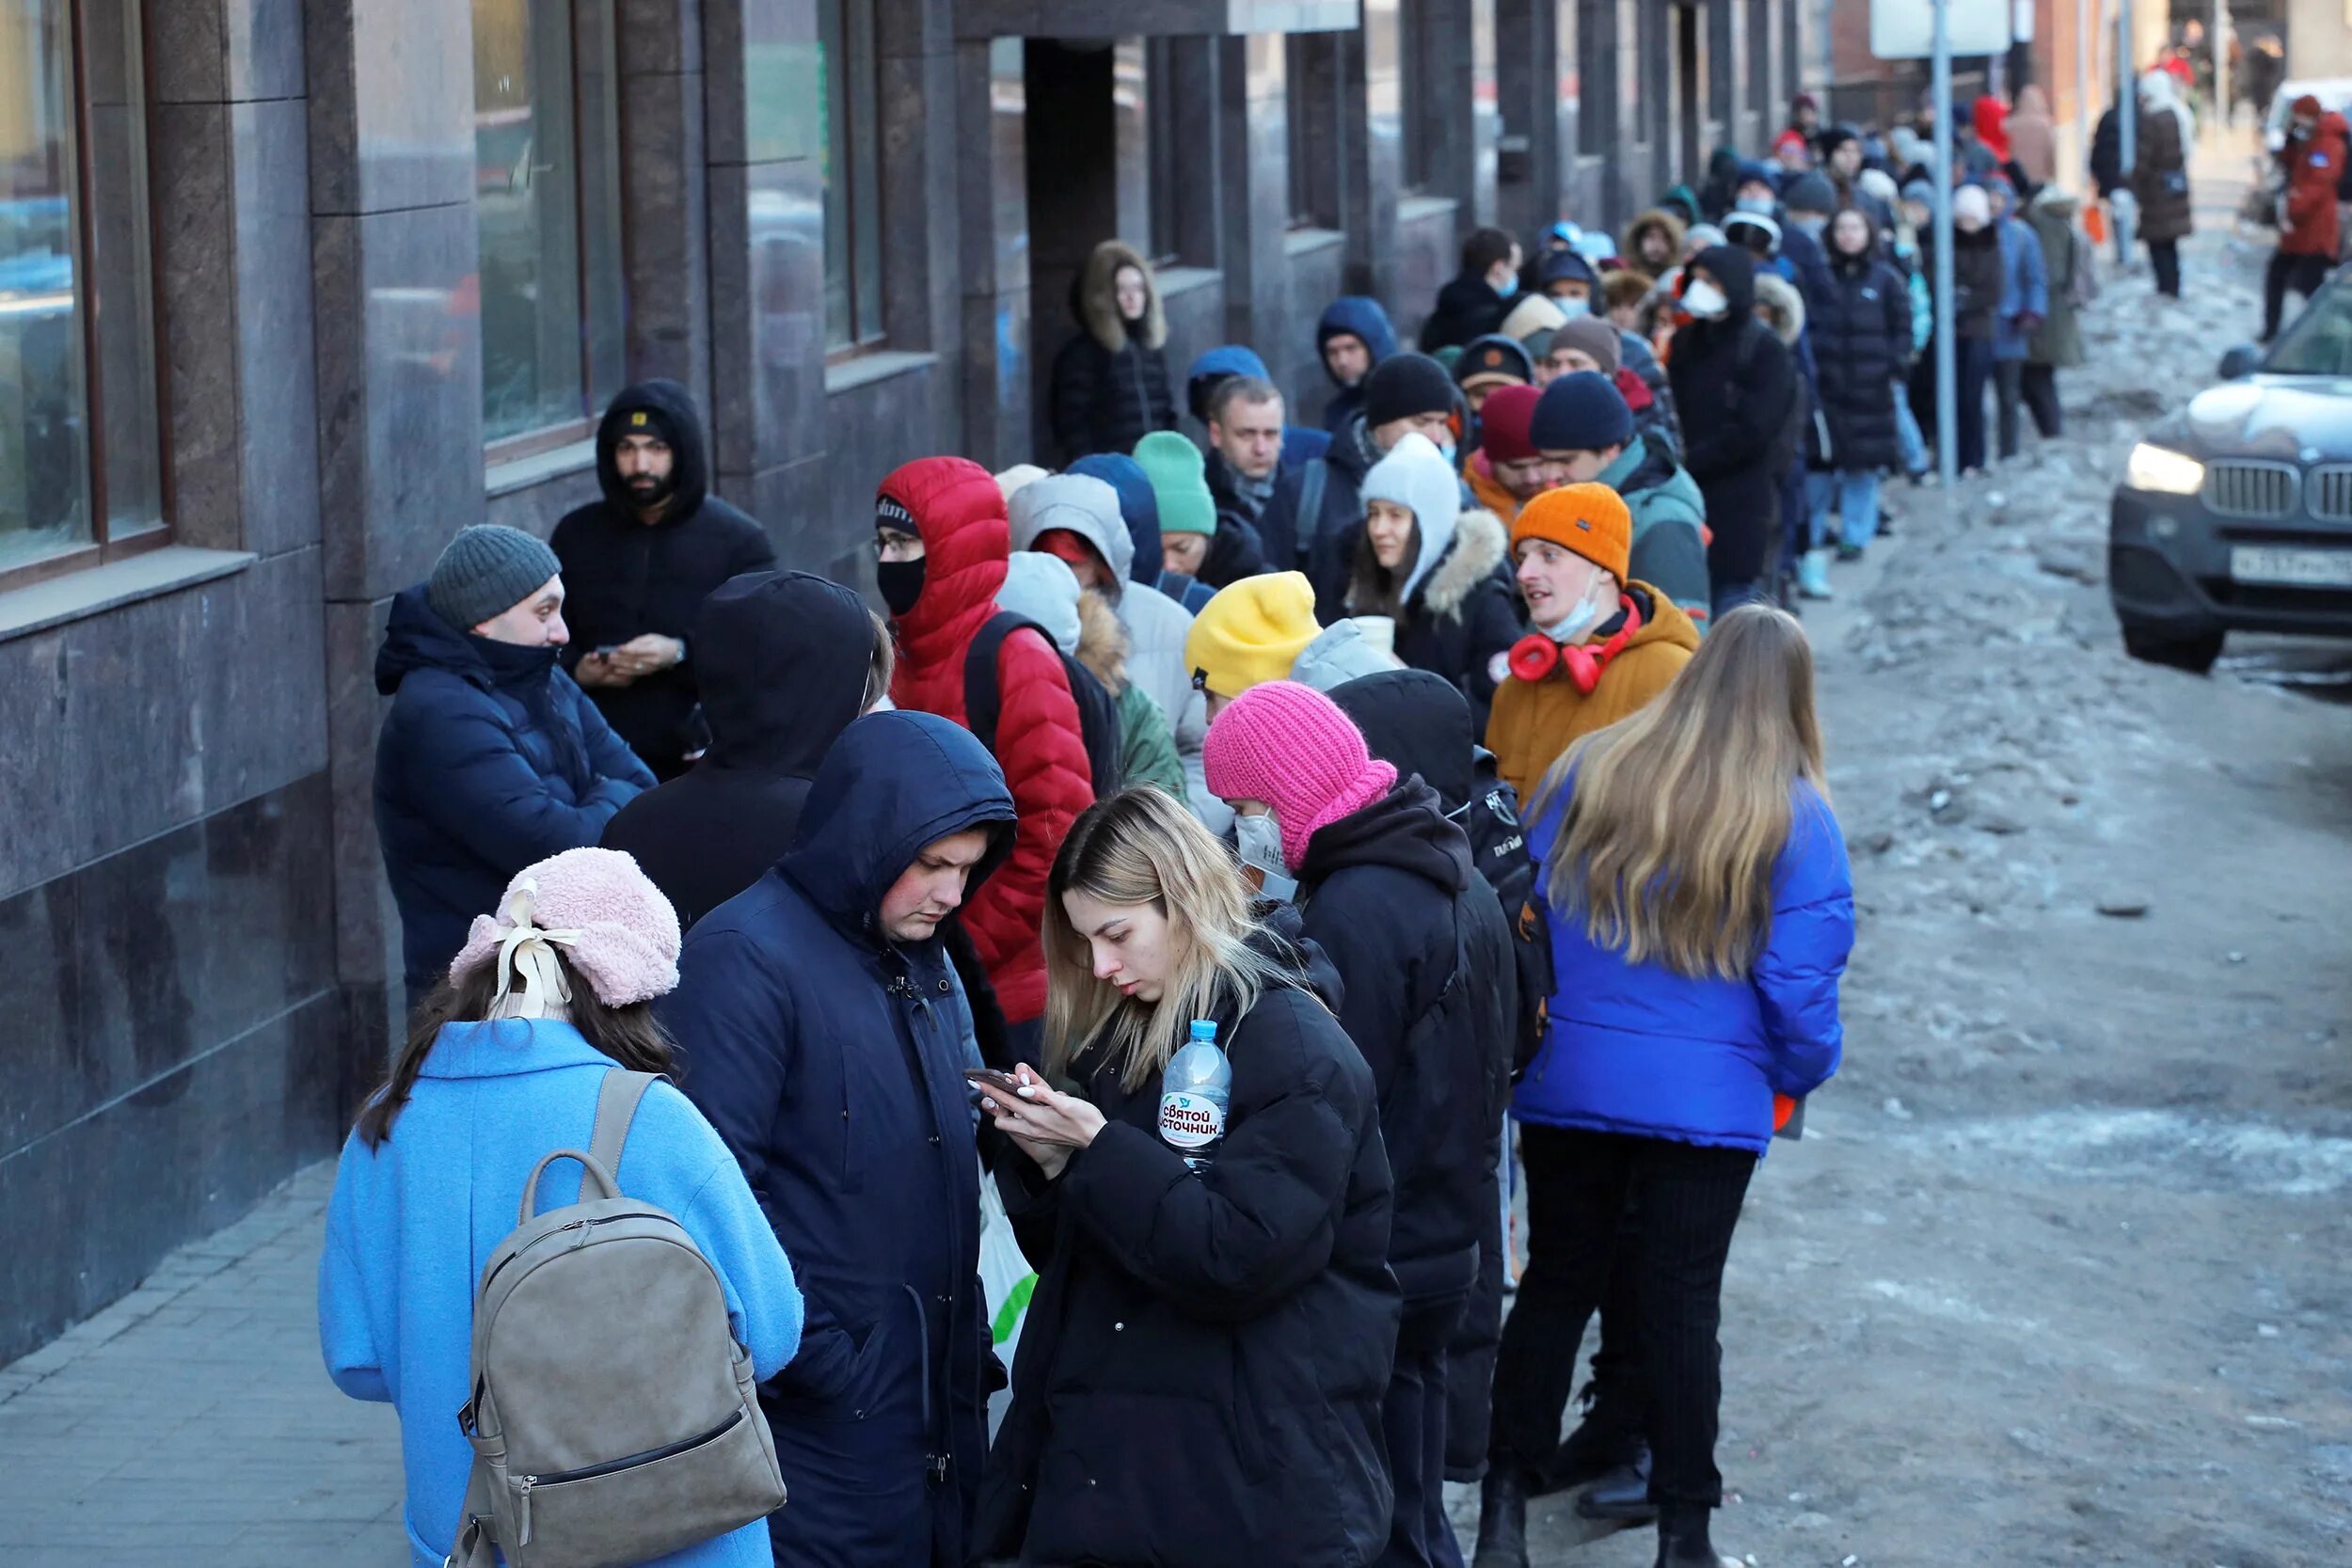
(850, 161)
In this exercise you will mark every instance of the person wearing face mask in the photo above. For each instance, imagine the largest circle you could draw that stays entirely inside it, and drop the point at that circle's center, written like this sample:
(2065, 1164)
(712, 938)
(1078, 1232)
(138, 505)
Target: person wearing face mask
(1862, 336)
(1386, 887)
(1808, 202)
(1568, 280)
(1203, 1362)
(2312, 164)
(1605, 643)
(1734, 384)
(1111, 385)
(1588, 434)
(1653, 241)
(1434, 570)
(1473, 303)
(1977, 285)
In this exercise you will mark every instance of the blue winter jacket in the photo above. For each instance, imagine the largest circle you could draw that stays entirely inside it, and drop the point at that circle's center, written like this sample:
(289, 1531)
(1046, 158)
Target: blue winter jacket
(831, 1059)
(413, 1220)
(1363, 317)
(2024, 288)
(1140, 509)
(1301, 444)
(490, 760)
(1637, 1048)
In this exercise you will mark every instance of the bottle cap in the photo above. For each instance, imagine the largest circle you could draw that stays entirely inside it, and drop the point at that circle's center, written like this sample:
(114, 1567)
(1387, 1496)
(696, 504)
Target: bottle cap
(1204, 1029)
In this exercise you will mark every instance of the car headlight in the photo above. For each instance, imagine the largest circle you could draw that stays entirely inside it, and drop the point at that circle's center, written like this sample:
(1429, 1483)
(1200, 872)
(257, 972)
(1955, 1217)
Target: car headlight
(2163, 470)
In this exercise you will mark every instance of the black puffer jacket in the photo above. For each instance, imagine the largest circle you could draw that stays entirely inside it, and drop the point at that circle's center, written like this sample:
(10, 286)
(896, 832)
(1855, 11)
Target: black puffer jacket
(1733, 380)
(1110, 386)
(1861, 328)
(623, 578)
(1201, 1374)
(1389, 894)
(785, 658)
(1467, 307)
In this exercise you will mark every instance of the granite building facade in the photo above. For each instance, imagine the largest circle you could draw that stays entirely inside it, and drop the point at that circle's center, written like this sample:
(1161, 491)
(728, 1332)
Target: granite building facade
(290, 290)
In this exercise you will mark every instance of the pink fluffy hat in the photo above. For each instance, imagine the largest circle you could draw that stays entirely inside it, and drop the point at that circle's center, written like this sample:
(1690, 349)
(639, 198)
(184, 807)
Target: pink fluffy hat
(1294, 748)
(616, 930)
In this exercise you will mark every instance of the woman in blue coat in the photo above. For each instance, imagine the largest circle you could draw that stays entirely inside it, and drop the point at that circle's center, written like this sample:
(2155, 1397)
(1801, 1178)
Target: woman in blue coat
(1697, 956)
(504, 1066)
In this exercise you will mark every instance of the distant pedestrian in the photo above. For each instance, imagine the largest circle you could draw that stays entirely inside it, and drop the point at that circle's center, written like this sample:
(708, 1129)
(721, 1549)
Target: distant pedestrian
(2024, 306)
(825, 1037)
(503, 1066)
(1474, 303)
(1733, 383)
(491, 758)
(1353, 338)
(638, 565)
(2058, 343)
(1202, 1364)
(1110, 386)
(2033, 140)
(1861, 328)
(1489, 363)
(1653, 241)
(1243, 413)
(2159, 180)
(1979, 283)
(2309, 219)
(1701, 913)
(788, 660)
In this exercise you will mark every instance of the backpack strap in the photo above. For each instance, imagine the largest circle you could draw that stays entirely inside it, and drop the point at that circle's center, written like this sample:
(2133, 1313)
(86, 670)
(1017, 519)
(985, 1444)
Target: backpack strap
(616, 1108)
(474, 1548)
(983, 700)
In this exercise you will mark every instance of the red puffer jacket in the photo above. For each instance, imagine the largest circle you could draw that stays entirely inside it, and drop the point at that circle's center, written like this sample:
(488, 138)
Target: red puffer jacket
(961, 515)
(2313, 166)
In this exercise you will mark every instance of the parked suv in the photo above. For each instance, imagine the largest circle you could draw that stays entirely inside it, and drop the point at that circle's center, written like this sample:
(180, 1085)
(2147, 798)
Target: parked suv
(2236, 513)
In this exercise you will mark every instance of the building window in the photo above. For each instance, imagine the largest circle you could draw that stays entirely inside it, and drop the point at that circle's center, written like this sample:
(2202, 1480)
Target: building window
(546, 200)
(851, 161)
(81, 468)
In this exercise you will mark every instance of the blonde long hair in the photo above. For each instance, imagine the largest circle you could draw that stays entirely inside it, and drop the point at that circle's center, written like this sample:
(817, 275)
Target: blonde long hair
(1679, 813)
(1139, 847)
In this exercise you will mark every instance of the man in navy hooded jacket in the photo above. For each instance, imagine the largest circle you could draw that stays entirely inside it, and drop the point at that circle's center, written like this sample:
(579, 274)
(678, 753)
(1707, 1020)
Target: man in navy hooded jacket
(1353, 336)
(823, 1033)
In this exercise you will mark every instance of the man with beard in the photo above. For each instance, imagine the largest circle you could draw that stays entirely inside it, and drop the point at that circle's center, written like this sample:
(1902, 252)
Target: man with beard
(638, 565)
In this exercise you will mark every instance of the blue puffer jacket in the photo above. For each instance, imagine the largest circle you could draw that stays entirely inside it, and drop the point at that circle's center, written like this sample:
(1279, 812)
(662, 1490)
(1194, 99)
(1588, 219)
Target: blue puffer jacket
(491, 760)
(2025, 290)
(1360, 316)
(1635, 1048)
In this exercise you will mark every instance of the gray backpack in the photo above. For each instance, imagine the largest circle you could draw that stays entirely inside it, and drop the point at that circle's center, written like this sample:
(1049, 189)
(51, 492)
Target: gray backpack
(614, 1418)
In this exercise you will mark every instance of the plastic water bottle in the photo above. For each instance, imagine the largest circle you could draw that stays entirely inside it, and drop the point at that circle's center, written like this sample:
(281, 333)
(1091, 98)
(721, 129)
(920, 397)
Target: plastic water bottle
(1195, 1091)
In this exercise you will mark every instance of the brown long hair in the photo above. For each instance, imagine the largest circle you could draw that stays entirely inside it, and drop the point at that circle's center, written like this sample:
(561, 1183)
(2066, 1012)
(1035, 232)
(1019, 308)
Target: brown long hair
(1679, 813)
(630, 1035)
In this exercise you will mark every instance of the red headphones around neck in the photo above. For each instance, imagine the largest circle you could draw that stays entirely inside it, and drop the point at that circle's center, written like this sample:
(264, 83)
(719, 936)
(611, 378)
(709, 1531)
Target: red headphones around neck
(1535, 656)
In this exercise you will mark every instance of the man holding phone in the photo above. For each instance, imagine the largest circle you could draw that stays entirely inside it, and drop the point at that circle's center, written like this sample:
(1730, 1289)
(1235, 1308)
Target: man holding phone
(639, 565)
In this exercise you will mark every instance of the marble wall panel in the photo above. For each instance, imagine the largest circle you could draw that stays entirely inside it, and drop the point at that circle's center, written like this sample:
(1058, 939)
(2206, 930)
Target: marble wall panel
(366, 921)
(659, 38)
(277, 406)
(538, 508)
(1198, 319)
(665, 234)
(1428, 252)
(391, 101)
(768, 313)
(192, 177)
(219, 51)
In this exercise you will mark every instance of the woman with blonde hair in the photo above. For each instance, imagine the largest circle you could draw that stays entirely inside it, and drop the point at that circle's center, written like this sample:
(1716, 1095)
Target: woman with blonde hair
(1202, 1369)
(1701, 913)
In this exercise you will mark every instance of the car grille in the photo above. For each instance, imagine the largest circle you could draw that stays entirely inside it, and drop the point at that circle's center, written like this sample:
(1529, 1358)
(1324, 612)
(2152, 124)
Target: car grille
(2250, 489)
(2330, 493)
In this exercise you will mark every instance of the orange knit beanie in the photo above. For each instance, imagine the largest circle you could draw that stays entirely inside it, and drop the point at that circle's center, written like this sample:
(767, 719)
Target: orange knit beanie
(1588, 519)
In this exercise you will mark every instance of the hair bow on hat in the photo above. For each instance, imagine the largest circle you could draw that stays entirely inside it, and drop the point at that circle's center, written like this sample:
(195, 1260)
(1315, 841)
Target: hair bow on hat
(528, 949)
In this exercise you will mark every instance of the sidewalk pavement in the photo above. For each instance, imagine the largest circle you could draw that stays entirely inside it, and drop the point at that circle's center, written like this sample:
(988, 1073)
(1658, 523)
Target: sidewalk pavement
(192, 1422)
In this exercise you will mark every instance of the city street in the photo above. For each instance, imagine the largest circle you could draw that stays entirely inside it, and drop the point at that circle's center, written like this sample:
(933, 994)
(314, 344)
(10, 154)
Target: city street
(2057, 1273)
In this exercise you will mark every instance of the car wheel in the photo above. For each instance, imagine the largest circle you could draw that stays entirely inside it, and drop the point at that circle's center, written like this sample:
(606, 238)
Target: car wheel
(2193, 653)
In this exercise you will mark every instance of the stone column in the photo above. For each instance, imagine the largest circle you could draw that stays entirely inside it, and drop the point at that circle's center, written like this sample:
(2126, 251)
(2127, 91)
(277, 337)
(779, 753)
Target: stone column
(993, 211)
(1252, 193)
(1370, 115)
(665, 231)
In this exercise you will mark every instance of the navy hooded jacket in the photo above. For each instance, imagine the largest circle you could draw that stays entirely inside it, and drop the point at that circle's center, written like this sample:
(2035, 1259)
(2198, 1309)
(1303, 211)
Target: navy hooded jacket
(490, 760)
(1301, 444)
(1360, 316)
(1140, 509)
(830, 1060)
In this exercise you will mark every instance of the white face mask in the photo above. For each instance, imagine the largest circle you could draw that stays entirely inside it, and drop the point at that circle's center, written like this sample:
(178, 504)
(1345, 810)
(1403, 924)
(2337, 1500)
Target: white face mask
(1704, 300)
(1762, 205)
(1260, 841)
(1813, 225)
(1572, 308)
(1572, 626)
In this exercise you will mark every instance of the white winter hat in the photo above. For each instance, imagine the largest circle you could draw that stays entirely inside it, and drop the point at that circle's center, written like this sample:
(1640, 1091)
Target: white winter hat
(1416, 476)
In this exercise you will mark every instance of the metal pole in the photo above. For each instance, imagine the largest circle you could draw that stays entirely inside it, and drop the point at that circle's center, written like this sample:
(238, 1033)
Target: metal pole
(2128, 85)
(1946, 361)
(2222, 63)
(2086, 117)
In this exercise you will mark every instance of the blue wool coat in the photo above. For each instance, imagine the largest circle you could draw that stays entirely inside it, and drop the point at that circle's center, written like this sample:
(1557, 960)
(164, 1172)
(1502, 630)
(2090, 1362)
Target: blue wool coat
(831, 1059)
(490, 760)
(413, 1220)
(2024, 288)
(1637, 1048)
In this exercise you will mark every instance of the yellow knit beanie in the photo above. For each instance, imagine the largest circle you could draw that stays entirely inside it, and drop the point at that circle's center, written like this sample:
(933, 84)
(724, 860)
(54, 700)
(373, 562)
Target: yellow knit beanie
(1252, 632)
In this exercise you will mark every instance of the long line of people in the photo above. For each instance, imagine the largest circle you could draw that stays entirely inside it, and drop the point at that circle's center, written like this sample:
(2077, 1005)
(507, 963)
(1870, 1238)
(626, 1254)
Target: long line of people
(1229, 735)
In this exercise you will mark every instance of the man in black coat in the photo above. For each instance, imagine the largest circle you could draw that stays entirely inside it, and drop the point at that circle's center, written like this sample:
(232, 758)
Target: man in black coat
(787, 660)
(639, 565)
(1735, 384)
(1475, 301)
(823, 1034)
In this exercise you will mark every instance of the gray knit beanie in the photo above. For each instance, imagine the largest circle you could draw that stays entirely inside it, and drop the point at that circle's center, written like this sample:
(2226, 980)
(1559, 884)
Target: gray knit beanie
(486, 571)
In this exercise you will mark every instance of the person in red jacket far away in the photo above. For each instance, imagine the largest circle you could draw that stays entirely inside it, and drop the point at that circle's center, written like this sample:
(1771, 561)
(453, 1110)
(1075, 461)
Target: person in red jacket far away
(941, 541)
(2310, 233)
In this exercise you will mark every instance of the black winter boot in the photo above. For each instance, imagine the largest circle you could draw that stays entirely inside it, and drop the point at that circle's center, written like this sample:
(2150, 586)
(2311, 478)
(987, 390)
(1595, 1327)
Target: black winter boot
(1502, 1518)
(1682, 1539)
(1602, 1443)
(1622, 1495)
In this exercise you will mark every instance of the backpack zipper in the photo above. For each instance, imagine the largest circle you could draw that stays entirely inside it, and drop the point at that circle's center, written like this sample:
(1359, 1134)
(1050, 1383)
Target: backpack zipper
(524, 1487)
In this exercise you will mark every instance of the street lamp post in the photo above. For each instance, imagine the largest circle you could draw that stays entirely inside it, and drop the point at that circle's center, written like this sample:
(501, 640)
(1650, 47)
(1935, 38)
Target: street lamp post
(1946, 378)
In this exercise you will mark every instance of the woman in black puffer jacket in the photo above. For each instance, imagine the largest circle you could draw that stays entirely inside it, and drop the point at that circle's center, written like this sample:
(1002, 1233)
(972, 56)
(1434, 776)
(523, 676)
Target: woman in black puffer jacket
(1860, 320)
(1201, 1372)
(1110, 386)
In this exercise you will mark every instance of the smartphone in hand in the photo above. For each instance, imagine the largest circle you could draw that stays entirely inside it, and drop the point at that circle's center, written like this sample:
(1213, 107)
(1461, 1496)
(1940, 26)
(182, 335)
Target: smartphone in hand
(1003, 1084)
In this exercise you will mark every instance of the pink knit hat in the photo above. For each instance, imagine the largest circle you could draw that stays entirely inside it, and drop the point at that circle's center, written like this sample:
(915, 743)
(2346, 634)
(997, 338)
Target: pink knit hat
(1291, 747)
(615, 926)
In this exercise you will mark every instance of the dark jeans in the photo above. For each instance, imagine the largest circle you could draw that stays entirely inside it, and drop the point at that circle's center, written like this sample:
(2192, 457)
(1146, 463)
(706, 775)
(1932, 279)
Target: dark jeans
(2041, 400)
(2302, 274)
(2009, 396)
(1687, 1202)
(1975, 368)
(2165, 256)
(1412, 1416)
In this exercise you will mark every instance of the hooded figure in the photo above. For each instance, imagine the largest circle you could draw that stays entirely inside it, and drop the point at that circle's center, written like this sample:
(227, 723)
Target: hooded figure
(2168, 130)
(1989, 117)
(1301, 444)
(830, 1055)
(626, 578)
(1362, 318)
(2032, 138)
(1733, 382)
(786, 662)
(1111, 385)
(1139, 510)
(1861, 331)
(1041, 588)
(490, 760)
(959, 513)
(1655, 225)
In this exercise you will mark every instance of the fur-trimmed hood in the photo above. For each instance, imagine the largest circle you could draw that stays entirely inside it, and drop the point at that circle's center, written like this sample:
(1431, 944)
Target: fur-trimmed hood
(1096, 300)
(1481, 544)
(1657, 217)
(1102, 642)
(1787, 304)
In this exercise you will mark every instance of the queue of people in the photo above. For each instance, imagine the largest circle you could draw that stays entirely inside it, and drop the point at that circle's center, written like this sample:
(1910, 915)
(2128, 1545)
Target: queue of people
(1324, 758)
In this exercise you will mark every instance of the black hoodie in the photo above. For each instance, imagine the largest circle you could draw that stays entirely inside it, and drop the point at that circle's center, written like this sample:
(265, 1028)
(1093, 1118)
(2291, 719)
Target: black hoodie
(1733, 380)
(784, 659)
(623, 578)
(1389, 894)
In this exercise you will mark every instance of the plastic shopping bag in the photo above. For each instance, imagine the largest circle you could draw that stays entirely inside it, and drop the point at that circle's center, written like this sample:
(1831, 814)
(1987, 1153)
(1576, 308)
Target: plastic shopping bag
(1007, 1280)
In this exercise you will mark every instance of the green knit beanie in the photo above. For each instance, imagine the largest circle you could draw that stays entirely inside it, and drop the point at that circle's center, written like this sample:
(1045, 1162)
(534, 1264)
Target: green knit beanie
(1179, 478)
